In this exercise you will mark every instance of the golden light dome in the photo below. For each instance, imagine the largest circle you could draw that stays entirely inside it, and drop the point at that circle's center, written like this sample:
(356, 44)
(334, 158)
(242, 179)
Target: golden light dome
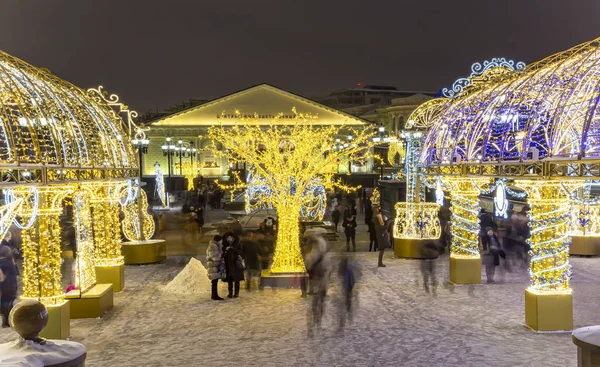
(57, 131)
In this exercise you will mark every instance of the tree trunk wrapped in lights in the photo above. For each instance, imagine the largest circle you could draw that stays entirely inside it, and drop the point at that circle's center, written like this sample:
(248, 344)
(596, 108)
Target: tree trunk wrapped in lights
(288, 160)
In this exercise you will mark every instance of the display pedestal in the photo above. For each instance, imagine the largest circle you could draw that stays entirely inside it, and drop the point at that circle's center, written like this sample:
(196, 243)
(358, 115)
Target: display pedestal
(465, 270)
(585, 245)
(587, 340)
(144, 252)
(281, 280)
(59, 322)
(549, 311)
(92, 303)
(413, 248)
(113, 274)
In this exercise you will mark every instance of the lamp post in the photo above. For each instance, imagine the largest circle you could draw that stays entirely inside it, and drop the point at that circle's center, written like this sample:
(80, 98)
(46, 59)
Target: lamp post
(381, 137)
(168, 149)
(141, 143)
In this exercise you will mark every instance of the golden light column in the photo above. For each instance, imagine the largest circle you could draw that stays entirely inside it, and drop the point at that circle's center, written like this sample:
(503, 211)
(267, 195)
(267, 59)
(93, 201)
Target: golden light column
(465, 260)
(288, 157)
(549, 271)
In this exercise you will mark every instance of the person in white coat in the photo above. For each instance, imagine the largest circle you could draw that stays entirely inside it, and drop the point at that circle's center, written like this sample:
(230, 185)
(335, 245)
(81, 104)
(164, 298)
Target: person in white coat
(215, 266)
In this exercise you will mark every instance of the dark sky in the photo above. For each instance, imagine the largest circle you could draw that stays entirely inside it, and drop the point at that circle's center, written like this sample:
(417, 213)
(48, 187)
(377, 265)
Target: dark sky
(158, 53)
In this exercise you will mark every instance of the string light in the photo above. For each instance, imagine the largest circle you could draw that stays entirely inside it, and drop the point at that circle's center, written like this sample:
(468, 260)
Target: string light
(85, 275)
(288, 158)
(160, 184)
(138, 225)
(465, 218)
(549, 241)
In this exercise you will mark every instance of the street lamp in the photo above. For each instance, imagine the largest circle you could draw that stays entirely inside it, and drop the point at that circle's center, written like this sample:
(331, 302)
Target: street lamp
(185, 150)
(381, 137)
(168, 149)
(141, 142)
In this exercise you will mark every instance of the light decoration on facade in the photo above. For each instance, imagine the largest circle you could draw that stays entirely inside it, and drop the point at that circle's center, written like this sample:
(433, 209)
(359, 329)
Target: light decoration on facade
(478, 69)
(500, 201)
(417, 220)
(585, 211)
(288, 157)
(549, 237)
(138, 225)
(159, 179)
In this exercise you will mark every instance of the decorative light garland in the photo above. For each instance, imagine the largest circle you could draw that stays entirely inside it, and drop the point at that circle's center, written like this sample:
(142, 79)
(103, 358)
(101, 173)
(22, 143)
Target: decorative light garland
(417, 220)
(549, 240)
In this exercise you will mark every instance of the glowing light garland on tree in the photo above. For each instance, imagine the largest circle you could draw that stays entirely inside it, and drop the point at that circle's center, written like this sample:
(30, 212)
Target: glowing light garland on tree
(288, 157)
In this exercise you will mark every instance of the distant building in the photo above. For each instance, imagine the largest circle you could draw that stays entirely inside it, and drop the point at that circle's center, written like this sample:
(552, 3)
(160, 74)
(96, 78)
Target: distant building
(383, 105)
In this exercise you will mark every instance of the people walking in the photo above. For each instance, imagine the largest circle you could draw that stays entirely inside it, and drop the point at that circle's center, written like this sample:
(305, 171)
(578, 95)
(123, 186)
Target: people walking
(318, 265)
(368, 210)
(251, 252)
(335, 217)
(372, 236)
(490, 253)
(429, 253)
(347, 277)
(350, 230)
(383, 237)
(215, 265)
(8, 283)
(234, 264)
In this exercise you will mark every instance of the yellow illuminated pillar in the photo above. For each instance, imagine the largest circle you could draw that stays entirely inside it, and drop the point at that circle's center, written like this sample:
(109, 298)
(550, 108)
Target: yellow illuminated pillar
(42, 256)
(465, 260)
(108, 258)
(548, 300)
(85, 274)
(287, 257)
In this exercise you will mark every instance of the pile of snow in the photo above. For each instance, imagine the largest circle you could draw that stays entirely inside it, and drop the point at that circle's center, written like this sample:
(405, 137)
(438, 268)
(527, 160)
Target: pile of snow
(193, 279)
(29, 353)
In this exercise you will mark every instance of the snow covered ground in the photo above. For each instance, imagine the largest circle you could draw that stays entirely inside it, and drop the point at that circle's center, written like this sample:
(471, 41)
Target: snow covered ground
(396, 323)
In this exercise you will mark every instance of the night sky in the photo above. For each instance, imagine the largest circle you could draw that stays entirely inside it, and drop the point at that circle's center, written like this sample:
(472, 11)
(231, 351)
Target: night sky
(158, 53)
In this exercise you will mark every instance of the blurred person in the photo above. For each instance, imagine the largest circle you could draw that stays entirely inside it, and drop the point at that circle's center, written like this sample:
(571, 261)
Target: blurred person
(251, 253)
(8, 283)
(350, 230)
(372, 236)
(215, 265)
(306, 249)
(10, 243)
(485, 220)
(318, 266)
(347, 277)
(429, 253)
(368, 210)
(490, 253)
(383, 237)
(335, 217)
(236, 227)
(234, 264)
(199, 218)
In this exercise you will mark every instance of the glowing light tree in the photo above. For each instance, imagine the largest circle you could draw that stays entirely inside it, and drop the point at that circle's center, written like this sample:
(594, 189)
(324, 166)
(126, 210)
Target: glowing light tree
(288, 158)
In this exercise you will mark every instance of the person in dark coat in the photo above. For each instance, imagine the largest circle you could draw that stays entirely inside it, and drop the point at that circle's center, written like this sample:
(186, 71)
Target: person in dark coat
(8, 287)
(335, 217)
(234, 266)
(199, 218)
(368, 210)
(490, 253)
(372, 235)
(350, 230)
(251, 251)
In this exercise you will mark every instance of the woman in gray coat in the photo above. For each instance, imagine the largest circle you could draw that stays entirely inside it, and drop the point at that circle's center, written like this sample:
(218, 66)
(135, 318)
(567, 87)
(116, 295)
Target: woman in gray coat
(215, 266)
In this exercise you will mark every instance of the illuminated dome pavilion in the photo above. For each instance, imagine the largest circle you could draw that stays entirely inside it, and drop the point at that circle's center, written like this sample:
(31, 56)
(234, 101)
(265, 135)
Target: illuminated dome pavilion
(548, 110)
(48, 123)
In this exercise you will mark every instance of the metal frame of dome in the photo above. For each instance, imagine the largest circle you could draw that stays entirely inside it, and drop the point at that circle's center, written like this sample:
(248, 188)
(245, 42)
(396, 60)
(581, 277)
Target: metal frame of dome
(52, 131)
(538, 123)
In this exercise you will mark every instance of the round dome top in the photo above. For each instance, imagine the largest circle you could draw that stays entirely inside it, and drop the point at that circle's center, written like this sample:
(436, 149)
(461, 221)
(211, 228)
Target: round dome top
(550, 110)
(48, 122)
